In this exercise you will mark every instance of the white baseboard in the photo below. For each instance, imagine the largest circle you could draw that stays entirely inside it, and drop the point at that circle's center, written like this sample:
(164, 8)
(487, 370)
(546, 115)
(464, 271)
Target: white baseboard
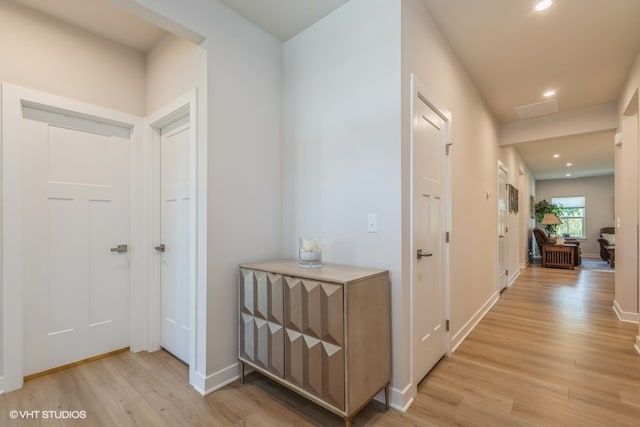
(513, 278)
(590, 255)
(210, 383)
(400, 400)
(625, 316)
(468, 327)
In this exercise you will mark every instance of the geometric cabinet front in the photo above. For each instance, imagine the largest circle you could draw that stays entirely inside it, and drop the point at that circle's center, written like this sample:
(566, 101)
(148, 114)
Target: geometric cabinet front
(261, 320)
(314, 338)
(324, 335)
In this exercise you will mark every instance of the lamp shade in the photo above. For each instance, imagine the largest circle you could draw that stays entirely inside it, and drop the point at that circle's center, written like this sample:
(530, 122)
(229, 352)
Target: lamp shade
(550, 219)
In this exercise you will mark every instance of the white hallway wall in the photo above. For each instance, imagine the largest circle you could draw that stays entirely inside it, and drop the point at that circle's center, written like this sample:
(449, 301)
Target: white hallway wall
(366, 152)
(342, 146)
(244, 160)
(474, 157)
(347, 133)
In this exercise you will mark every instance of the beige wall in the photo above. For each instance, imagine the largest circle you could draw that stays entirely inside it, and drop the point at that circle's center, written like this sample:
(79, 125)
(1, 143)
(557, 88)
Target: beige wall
(474, 162)
(520, 223)
(174, 66)
(599, 192)
(627, 297)
(42, 53)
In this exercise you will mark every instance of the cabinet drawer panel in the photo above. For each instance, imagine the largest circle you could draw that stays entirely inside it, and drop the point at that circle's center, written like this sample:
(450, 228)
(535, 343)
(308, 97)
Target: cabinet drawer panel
(294, 357)
(247, 323)
(315, 309)
(247, 286)
(333, 374)
(276, 349)
(261, 317)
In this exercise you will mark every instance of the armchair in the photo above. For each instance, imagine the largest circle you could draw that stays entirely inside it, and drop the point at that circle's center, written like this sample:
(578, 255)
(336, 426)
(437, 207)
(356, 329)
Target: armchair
(566, 256)
(604, 252)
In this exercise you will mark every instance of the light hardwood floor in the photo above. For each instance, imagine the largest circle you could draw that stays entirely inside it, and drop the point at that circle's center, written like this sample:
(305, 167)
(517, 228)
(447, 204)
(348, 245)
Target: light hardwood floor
(550, 353)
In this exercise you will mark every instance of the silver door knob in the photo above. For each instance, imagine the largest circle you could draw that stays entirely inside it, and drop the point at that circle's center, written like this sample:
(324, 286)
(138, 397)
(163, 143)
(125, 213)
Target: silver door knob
(160, 248)
(120, 249)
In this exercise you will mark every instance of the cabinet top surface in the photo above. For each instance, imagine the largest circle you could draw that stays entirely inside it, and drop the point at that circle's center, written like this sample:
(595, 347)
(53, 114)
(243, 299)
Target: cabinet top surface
(326, 273)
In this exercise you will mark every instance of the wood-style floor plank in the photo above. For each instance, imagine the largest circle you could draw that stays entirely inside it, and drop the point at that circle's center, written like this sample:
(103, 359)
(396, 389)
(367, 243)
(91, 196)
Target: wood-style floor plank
(551, 352)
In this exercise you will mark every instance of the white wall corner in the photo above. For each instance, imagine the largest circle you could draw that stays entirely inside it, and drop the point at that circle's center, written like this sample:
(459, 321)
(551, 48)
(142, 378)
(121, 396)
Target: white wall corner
(400, 400)
(625, 316)
(217, 380)
(471, 324)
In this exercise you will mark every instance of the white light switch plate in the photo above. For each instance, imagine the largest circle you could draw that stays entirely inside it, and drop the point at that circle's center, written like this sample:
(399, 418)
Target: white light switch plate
(372, 223)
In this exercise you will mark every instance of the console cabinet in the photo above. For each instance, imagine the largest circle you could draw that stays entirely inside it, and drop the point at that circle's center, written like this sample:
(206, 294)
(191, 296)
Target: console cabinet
(323, 332)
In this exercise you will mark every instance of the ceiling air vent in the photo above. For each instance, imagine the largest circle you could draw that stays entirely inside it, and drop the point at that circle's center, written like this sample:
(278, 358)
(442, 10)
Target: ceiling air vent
(537, 109)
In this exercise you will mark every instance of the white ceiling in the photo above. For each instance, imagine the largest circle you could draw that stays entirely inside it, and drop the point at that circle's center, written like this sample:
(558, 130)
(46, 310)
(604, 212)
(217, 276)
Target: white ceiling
(590, 155)
(582, 48)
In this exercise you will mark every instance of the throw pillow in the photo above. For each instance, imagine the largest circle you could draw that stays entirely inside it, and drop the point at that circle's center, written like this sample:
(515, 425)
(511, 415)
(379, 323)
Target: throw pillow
(611, 238)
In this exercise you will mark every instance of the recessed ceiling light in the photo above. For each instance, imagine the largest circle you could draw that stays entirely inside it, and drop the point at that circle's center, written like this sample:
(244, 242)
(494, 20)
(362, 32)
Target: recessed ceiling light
(555, 156)
(541, 5)
(569, 164)
(568, 175)
(549, 93)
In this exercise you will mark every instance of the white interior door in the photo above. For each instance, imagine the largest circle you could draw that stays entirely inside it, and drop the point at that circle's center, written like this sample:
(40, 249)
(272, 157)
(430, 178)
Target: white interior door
(175, 231)
(75, 210)
(503, 253)
(429, 330)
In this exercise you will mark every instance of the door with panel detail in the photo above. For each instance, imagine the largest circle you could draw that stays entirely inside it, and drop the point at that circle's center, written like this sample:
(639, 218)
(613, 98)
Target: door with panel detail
(76, 221)
(314, 340)
(429, 328)
(175, 214)
(261, 325)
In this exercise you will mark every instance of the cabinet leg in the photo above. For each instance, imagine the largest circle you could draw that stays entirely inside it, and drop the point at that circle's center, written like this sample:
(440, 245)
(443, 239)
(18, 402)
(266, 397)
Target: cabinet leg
(386, 397)
(347, 422)
(241, 373)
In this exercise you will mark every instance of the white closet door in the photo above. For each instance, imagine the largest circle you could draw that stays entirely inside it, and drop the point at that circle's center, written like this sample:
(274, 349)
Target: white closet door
(175, 225)
(76, 209)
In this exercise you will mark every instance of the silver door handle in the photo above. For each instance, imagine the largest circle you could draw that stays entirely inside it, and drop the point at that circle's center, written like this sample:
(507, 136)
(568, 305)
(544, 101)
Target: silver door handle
(423, 254)
(160, 248)
(120, 249)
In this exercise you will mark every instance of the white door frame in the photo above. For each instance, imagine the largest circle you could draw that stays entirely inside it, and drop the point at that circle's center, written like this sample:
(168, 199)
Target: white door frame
(503, 168)
(183, 106)
(419, 90)
(13, 98)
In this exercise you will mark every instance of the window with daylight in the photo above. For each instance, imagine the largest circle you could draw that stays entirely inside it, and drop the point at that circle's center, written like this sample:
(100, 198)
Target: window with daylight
(572, 217)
